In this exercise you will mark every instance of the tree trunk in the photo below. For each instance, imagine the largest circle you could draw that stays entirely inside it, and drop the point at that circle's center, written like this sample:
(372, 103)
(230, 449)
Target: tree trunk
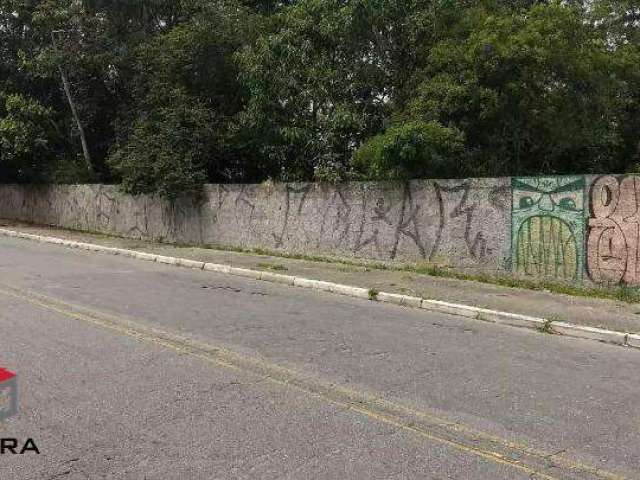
(74, 112)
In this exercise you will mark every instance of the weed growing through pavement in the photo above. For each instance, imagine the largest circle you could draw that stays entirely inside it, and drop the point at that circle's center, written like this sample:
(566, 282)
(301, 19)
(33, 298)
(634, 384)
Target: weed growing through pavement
(546, 327)
(273, 266)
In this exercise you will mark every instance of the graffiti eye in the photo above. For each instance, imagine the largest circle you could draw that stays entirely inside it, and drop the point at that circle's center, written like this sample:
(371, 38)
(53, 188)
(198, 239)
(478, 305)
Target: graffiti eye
(526, 202)
(567, 204)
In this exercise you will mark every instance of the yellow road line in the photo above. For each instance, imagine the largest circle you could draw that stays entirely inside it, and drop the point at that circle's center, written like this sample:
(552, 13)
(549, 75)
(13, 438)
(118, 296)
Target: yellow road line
(424, 424)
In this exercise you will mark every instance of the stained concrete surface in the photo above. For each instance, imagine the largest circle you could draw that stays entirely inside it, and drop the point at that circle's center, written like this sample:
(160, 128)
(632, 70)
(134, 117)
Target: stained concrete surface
(106, 405)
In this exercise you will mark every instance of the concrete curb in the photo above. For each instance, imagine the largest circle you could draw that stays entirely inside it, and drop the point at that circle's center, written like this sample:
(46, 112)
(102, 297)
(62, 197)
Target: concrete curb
(493, 316)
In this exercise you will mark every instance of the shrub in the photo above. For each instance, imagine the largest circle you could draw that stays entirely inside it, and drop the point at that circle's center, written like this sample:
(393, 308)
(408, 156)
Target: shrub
(412, 150)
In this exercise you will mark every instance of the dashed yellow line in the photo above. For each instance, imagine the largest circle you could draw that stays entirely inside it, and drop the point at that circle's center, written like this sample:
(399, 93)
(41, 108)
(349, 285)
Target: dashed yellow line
(427, 425)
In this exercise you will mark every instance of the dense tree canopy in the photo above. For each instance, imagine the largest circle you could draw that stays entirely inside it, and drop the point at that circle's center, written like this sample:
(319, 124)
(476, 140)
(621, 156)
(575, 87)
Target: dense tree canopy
(165, 95)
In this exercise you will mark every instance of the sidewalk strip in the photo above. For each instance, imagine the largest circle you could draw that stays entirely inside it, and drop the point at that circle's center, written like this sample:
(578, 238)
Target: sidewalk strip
(493, 316)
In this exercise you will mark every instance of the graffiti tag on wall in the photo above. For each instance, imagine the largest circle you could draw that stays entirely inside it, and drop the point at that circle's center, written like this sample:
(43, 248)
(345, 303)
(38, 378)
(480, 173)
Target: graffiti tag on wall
(612, 247)
(547, 227)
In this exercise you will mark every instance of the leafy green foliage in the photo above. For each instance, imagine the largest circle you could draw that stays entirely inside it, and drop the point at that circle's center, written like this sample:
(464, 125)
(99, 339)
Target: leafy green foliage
(164, 153)
(25, 150)
(184, 94)
(323, 83)
(172, 94)
(533, 91)
(413, 150)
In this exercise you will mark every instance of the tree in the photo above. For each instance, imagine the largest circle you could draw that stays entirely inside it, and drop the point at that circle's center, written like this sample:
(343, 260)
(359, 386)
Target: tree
(26, 130)
(32, 142)
(538, 90)
(323, 82)
(173, 134)
(170, 94)
(412, 150)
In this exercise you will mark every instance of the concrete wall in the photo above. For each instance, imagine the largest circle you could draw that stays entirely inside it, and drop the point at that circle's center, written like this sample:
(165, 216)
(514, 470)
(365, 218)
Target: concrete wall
(578, 229)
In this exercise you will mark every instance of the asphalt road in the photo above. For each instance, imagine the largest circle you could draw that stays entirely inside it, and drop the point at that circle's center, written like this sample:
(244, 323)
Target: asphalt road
(133, 370)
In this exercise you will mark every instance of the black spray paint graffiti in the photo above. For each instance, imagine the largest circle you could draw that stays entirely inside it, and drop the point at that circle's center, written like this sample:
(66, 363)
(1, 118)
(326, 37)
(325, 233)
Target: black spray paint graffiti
(141, 216)
(388, 226)
(278, 237)
(244, 210)
(381, 212)
(407, 221)
(476, 241)
(341, 221)
(104, 206)
(407, 225)
(222, 193)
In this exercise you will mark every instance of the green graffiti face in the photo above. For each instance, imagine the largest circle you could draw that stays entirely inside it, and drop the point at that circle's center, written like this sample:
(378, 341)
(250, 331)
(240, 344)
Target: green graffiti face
(548, 226)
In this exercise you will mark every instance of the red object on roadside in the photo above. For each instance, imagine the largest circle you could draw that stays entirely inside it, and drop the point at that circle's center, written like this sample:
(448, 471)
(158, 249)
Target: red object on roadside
(6, 375)
(8, 394)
